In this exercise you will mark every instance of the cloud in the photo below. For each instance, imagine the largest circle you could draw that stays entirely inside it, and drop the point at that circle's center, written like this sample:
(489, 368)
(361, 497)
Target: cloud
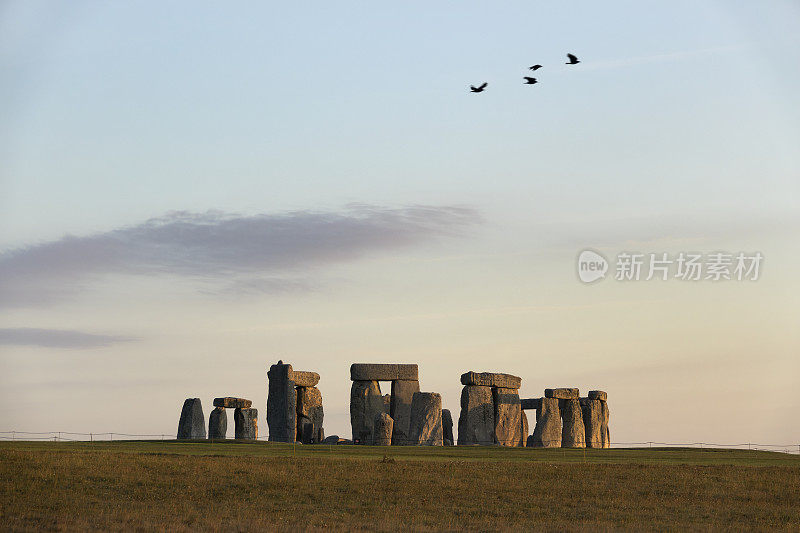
(259, 253)
(56, 338)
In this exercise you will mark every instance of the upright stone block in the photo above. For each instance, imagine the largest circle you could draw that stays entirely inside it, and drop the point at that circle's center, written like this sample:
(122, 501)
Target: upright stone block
(524, 429)
(309, 405)
(281, 403)
(605, 431)
(382, 434)
(305, 430)
(366, 403)
(400, 409)
(217, 424)
(573, 432)
(507, 417)
(476, 421)
(547, 433)
(447, 428)
(246, 423)
(426, 419)
(592, 422)
(192, 424)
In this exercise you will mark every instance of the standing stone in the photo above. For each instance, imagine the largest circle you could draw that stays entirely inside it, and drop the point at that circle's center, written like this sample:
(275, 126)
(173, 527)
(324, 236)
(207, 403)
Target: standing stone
(309, 405)
(507, 417)
(593, 422)
(217, 424)
(605, 431)
(476, 421)
(192, 424)
(383, 430)
(573, 433)
(447, 428)
(387, 404)
(426, 419)
(547, 433)
(245, 422)
(305, 430)
(366, 403)
(281, 403)
(400, 409)
(524, 429)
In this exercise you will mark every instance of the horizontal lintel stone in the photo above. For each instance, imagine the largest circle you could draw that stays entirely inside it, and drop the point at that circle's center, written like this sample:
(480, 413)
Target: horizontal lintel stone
(490, 379)
(383, 372)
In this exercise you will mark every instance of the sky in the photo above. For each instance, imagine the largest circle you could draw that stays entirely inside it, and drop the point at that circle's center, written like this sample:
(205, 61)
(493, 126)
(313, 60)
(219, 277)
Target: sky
(191, 191)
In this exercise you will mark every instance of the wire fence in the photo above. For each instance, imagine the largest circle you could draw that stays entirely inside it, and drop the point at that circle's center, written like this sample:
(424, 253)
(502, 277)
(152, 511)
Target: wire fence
(69, 436)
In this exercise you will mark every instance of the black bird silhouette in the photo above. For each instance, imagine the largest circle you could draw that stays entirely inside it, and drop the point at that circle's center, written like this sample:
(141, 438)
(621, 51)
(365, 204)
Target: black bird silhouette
(572, 60)
(478, 89)
(529, 81)
(535, 67)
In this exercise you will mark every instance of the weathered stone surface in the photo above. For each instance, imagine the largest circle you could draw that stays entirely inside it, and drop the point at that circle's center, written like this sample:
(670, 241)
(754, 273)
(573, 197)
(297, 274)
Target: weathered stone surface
(573, 432)
(366, 403)
(598, 395)
(476, 421)
(447, 427)
(383, 372)
(530, 403)
(305, 430)
(605, 431)
(507, 417)
(382, 434)
(524, 429)
(491, 379)
(387, 404)
(332, 439)
(309, 405)
(217, 423)
(232, 402)
(281, 404)
(400, 410)
(302, 378)
(547, 433)
(426, 419)
(246, 423)
(192, 424)
(562, 394)
(592, 422)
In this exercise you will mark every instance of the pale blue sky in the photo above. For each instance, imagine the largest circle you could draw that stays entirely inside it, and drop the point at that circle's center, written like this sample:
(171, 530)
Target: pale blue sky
(679, 128)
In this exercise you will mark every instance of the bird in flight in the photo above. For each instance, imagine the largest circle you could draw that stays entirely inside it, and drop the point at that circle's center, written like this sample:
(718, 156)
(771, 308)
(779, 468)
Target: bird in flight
(529, 81)
(535, 67)
(572, 60)
(478, 89)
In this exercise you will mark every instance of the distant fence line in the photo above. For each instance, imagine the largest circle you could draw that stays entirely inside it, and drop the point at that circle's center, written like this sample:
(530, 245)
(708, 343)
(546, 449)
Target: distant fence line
(69, 436)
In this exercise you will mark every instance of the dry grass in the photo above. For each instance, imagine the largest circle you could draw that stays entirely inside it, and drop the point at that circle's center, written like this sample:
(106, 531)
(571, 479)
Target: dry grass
(70, 487)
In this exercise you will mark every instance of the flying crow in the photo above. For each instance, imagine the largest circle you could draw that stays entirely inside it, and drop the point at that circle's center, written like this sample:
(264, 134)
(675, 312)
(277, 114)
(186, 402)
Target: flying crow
(535, 67)
(529, 81)
(478, 89)
(572, 60)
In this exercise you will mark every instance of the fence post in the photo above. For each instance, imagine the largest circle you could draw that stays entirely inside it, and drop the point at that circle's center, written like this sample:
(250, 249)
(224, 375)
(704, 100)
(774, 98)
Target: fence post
(111, 436)
(13, 435)
(91, 438)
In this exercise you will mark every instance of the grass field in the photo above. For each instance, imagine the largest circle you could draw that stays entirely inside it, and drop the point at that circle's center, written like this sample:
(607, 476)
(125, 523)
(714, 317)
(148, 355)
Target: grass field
(245, 486)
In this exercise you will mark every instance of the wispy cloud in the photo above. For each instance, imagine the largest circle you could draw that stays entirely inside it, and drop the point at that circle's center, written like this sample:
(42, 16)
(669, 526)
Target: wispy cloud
(260, 253)
(57, 338)
(659, 58)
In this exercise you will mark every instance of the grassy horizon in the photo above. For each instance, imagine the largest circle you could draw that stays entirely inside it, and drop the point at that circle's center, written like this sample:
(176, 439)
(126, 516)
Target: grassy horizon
(256, 485)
